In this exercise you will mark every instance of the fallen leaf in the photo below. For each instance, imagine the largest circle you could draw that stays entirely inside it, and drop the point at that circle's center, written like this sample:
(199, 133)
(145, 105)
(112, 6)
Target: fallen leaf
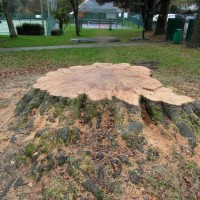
(153, 197)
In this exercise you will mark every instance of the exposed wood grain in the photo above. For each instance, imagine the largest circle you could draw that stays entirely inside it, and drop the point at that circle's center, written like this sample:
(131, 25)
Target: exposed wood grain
(105, 81)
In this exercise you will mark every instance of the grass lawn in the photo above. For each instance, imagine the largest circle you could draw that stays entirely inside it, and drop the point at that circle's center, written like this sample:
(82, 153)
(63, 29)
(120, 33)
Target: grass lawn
(28, 41)
(176, 63)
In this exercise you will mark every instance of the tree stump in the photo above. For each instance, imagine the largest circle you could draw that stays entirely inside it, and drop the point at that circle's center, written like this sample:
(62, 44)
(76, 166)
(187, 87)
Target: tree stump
(103, 105)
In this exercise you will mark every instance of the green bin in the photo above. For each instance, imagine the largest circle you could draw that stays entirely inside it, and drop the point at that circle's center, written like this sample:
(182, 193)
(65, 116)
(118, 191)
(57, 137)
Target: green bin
(178, 36)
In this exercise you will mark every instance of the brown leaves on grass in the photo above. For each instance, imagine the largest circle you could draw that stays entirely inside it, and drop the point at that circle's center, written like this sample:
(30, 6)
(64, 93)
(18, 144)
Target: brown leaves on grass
(37, 69)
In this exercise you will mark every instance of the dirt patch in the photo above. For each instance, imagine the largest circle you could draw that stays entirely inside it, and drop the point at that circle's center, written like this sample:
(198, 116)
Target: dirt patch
(155, 38)
(149, 64)
(27, 71)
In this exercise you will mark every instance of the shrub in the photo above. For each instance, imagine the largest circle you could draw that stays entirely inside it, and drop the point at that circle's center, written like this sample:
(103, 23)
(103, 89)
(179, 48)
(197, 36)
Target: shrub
(19, 30)
(56, 32)
(30, 29)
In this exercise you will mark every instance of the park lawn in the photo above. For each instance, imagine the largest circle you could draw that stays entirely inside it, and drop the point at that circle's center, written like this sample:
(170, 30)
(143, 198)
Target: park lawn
(27, 41)
(178, 66)
(173, 61)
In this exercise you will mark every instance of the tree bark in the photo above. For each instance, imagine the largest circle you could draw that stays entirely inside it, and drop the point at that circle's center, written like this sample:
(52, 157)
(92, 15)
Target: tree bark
(61, 24)
(9, 19)
(75, 4)
(195, 41)
(162, 19)
(149, 15)
(76, 23)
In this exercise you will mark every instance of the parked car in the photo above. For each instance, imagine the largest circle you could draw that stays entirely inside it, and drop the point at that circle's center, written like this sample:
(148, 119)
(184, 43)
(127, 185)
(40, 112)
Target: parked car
(189, 17)
(170, 16)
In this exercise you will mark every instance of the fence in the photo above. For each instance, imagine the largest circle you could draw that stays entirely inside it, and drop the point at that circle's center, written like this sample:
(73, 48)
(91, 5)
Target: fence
(114, 20)
(96, 20)
(32, 18)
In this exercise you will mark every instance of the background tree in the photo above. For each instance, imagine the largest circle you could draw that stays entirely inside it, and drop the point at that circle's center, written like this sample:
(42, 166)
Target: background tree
(31, 6)
(75, 4)
(6, 11)
(62, 16)
(0, 8)
(147, 11)
(181, 3)
(35, 6)
(195, 41)
(64, 7)
(162, 19)
(124, 4)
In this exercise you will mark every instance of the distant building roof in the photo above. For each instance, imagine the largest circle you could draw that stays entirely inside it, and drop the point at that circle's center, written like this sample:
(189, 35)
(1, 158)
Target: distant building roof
(93, 6)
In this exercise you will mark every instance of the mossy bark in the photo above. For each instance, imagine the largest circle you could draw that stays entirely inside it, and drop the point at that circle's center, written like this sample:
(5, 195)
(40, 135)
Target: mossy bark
(185, 117)
(110, 115)
(96, 144)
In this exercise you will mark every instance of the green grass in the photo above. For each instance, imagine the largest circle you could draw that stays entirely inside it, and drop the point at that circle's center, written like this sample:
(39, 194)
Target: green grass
(182, 60)
(176, 63)
(28, 41)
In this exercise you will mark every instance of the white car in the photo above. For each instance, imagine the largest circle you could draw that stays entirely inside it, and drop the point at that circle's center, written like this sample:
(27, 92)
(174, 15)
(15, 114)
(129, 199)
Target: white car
(188, 18)
(170, 16)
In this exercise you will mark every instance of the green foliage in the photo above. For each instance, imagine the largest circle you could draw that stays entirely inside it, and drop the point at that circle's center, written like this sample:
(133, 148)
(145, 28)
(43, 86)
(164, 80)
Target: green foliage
(30, 149)
(30, 29)
(62, 16)
(19, 30)
(31, 6)
(182, 2)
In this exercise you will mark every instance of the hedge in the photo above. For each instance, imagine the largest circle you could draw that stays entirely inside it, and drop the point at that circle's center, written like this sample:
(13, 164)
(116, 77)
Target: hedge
(30, 29)
(56, 32)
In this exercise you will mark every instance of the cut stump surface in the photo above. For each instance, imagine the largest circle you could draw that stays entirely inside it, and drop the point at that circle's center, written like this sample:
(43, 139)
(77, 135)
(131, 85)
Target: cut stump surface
(105, 81)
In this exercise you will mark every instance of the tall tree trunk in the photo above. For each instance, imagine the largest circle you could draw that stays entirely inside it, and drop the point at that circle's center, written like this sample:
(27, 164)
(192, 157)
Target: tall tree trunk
(75, 4)
(61, 24)
(149, 14)
(195, 41)
(162, 19)
(9, 19)
(76, 23)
